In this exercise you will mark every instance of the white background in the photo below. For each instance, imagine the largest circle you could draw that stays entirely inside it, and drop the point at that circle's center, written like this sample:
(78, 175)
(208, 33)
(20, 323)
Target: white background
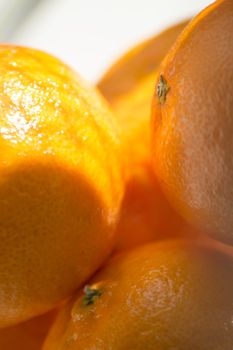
(90, 34)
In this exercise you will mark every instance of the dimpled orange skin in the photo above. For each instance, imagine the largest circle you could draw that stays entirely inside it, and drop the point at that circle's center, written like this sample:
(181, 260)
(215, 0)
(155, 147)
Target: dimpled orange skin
(192, 130)
(163, 296)
(128, 86)
(28, 335)
(60, 182)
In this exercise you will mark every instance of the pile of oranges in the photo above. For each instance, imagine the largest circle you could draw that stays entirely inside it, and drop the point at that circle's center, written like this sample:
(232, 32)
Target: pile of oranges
(116, 219)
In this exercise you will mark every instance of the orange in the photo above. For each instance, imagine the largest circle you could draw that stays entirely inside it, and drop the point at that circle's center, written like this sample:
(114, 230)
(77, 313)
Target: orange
(192, 122)
(128, 86)
(163, 296)
(28, 335)
(146, 215)
(60, 182)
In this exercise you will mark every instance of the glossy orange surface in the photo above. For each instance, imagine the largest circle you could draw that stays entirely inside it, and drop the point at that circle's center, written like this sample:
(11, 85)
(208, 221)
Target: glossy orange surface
(60, 182)
(163, 296)
(192, 129)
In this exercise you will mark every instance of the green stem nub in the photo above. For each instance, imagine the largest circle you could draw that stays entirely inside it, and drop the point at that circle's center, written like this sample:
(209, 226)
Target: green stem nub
(91, 294)
(162, 89)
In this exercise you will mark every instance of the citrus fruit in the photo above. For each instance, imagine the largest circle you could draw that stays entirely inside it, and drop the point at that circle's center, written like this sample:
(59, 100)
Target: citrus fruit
(164, 296)
(129, 86)
(60, 182)
(28, 335)
(192, 122)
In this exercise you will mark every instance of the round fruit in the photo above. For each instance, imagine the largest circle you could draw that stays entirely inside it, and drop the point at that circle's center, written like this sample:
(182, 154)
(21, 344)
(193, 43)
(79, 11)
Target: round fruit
(192, 122)
(60, 182)
(146, 214)
(28, 335)
(129, 86)
(163, 296)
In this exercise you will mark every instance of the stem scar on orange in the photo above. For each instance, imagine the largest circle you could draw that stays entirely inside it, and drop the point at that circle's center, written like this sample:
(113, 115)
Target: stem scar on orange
(162, 89)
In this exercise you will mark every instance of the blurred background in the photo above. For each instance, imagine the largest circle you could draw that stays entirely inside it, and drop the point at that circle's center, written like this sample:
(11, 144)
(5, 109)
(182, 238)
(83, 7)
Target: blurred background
(89, 34)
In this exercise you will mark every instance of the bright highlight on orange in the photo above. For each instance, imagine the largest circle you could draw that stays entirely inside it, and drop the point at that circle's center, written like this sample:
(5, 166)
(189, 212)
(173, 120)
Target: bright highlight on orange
(61, 182)
(106, 214)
